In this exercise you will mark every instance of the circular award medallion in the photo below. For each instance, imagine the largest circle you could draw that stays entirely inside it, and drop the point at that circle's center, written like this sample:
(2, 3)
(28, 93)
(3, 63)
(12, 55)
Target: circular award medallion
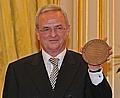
(95, 52)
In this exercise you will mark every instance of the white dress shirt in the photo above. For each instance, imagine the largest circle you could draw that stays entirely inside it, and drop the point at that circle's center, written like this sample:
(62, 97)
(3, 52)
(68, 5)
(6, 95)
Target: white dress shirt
(48, 64)
(96, 77)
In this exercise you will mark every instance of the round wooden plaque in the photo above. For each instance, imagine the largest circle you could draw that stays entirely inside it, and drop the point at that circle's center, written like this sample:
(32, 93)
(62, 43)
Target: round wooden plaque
(95, 52)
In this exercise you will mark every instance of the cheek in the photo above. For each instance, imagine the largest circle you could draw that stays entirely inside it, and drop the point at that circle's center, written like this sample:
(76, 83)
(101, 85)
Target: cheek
(41, 37)
(64, 36)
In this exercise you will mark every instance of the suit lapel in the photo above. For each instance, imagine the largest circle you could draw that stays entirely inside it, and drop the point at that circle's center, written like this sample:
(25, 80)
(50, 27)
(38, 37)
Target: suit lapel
(39, 75)
(66, 74)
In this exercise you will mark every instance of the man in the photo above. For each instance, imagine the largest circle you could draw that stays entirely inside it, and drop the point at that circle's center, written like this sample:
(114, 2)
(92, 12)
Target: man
(54, 72)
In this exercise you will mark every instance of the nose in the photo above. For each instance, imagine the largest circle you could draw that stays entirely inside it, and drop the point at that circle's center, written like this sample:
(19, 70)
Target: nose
(53, 33)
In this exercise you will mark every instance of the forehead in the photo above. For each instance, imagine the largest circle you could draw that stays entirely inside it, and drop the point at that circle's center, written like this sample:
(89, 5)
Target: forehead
(51, 17)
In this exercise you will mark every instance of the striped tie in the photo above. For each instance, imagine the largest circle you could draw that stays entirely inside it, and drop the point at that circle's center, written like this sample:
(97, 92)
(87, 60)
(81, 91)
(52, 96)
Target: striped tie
(54, 73)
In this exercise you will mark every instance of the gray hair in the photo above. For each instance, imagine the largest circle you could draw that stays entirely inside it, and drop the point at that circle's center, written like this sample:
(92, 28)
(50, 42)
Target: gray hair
(48, 8)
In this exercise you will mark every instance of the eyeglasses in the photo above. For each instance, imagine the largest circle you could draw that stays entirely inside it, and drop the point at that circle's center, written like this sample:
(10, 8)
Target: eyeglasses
(57, 29)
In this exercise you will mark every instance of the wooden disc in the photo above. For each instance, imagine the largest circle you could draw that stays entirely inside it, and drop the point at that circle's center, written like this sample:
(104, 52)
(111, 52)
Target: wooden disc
(95, 52)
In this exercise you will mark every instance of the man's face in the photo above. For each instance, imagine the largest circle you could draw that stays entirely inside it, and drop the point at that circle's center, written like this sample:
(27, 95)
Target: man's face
(52, 31)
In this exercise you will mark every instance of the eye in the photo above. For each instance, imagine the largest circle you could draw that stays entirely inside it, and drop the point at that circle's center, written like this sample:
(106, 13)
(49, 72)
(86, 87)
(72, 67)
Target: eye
(59, 27)
(46, 29)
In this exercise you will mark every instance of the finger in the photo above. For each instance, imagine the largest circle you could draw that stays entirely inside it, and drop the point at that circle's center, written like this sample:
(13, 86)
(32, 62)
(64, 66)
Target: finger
(110, 52)
(94, 67)
(108, 59)
(81, 49)
(110, 47)
(105, 38)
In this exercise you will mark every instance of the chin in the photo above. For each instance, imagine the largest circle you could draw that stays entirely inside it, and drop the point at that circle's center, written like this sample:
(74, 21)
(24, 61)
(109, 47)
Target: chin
(54, 48)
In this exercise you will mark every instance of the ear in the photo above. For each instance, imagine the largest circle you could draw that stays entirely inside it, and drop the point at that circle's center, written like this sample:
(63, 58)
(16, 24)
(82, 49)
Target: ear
(37, 41)
(37, 35)
(68, 29)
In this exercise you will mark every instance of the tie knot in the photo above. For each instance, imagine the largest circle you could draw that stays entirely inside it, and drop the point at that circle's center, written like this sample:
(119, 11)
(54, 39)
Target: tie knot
(54, 61)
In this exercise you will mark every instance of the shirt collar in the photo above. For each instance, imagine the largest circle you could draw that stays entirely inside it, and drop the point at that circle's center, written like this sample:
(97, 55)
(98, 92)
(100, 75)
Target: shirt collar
(60, 56)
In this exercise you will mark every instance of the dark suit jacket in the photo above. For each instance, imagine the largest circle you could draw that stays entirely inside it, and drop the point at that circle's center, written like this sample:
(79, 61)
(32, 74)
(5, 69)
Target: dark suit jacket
(27, 78)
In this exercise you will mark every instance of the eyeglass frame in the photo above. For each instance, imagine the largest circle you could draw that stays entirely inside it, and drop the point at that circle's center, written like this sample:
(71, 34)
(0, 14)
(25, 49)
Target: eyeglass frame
(49, 29)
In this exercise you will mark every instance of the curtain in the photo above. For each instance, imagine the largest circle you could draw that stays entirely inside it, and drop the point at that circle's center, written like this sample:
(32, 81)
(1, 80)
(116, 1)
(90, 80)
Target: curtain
(17, 30)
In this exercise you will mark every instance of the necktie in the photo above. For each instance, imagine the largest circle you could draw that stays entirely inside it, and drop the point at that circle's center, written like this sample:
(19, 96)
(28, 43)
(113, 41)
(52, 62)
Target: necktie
(54, 73)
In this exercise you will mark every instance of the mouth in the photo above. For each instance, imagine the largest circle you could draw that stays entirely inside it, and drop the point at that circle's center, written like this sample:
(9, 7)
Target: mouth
(53, 41)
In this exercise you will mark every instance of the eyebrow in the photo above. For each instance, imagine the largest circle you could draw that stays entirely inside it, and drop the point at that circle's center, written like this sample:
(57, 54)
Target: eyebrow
(53, 26)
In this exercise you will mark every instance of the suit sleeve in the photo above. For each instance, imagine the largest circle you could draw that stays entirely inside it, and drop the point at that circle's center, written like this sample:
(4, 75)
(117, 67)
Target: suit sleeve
(10, 86)
(102, 90)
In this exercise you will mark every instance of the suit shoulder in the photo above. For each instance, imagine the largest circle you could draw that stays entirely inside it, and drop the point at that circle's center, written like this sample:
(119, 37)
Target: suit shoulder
(76, 57)
(74, 53)
(25, 59)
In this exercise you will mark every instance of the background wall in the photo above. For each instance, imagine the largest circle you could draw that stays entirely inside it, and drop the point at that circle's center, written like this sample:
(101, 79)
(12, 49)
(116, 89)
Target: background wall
(89, 19)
